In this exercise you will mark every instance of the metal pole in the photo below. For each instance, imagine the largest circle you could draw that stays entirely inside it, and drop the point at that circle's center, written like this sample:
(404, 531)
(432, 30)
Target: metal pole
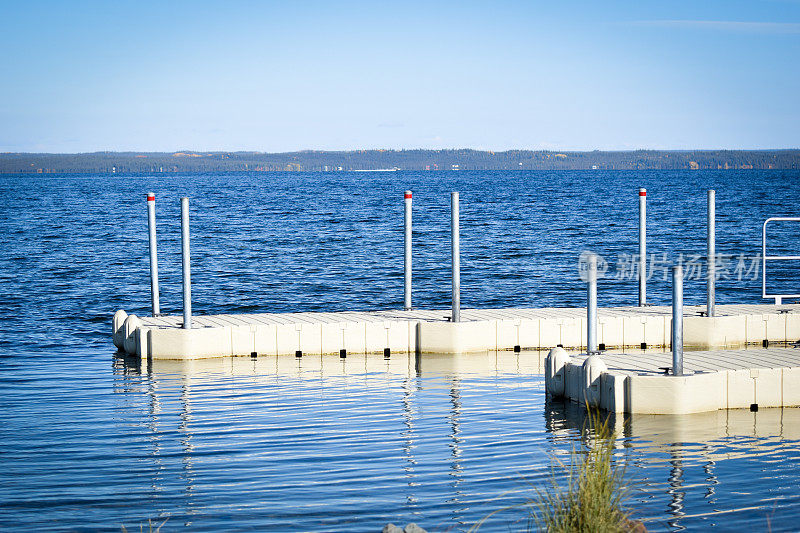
(712, 256)
(642, 247)
(764, 262)
(187, 274)
(408, 252)
(151, 225)
(456, 257)
(677, 320)
(591, 308)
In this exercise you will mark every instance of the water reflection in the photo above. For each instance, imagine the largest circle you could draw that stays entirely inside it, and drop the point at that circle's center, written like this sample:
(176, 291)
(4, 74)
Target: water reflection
(456, 469)
(692, 447)
(185, 429)
(489, 363)
(407, 437)
(662, 432)
(443, 440)
(425, 388)
(675, 506)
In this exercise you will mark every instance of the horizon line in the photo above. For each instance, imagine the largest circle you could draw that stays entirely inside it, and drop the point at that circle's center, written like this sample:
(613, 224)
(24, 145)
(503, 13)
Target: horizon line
(313, 150)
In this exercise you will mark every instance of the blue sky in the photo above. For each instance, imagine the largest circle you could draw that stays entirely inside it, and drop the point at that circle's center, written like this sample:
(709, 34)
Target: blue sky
(281, 76)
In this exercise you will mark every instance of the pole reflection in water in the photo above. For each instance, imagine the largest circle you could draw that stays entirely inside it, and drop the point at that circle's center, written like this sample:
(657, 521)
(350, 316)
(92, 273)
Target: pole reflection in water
(186, 441)
(675, 488)
(407, 436)
(155, 435)
(456, 470)
(711, 478)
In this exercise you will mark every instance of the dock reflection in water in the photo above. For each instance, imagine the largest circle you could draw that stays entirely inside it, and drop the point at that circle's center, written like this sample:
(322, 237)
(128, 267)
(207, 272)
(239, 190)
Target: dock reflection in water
(321, 442)
(716, 468)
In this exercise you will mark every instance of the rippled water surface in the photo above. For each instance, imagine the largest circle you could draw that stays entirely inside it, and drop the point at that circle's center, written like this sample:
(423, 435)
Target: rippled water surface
(91, 440)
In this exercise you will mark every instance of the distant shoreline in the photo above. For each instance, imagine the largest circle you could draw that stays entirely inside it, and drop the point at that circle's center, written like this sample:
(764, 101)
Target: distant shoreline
(393, 160)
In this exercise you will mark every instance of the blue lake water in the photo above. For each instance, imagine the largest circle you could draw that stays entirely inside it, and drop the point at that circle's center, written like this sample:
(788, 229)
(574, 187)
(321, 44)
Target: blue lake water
(89, 441)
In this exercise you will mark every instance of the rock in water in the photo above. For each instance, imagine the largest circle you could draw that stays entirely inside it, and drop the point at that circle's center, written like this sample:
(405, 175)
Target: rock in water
(414, 528)
(633, 526)
(391, 528)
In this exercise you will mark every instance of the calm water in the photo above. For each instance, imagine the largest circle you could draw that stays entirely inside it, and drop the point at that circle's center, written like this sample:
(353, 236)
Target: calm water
(90, 441)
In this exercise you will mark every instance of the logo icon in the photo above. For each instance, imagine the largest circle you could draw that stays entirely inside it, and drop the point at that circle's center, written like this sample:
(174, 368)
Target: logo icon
(583, 265)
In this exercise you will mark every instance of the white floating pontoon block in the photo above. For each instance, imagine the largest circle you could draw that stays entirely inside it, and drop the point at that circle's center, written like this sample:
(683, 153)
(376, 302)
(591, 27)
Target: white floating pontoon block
(195, 343)
(593, 369)
(117, 324)
(131, 324)
(457, 337)
(555, 372)
(703, 332)
(658, 394)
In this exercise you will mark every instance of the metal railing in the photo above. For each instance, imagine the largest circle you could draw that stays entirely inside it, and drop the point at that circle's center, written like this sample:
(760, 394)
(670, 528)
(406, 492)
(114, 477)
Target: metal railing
(765, 258)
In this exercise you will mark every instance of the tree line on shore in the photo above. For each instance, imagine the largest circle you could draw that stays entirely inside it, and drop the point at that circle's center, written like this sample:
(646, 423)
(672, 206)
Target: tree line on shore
(423, 160)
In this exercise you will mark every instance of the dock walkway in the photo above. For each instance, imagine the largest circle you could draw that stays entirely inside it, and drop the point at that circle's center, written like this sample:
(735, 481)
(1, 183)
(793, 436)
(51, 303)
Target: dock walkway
(430, 331)
(717, 379)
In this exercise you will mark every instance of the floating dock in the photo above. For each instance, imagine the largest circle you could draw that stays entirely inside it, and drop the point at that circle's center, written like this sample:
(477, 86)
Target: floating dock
(718, 375)
(710, 380)
(639, 383)
(431, 331)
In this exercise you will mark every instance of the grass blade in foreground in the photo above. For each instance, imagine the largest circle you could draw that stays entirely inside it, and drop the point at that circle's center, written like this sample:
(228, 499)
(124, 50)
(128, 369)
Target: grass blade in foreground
(593, 495)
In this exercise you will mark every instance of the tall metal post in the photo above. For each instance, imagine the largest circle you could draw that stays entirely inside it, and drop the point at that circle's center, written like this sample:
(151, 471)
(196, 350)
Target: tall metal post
(151, 226)
(187, 269)
(677, 320)
(642, 247)
(712, 255)
(591, 307)
(456, 257)
(407, 285)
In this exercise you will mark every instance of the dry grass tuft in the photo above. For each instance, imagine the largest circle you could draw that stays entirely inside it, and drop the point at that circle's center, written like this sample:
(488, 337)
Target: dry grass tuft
(593, 495)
